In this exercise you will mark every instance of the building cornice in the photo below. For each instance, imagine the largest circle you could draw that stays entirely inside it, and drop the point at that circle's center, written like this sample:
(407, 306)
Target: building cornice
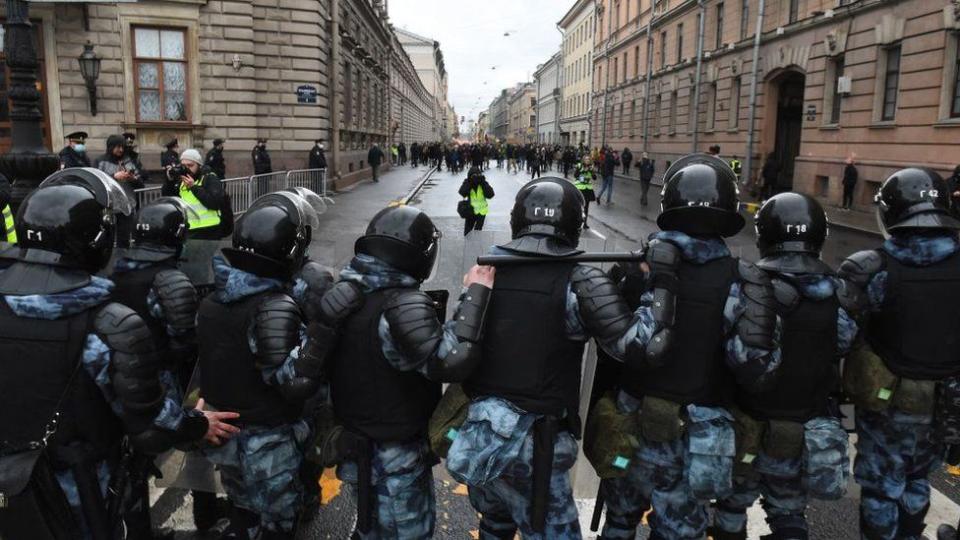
(574, 12)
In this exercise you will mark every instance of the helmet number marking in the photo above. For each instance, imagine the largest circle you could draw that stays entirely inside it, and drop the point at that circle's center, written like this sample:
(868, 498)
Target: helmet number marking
(797, 229)
(35, 235)
(933, 193)
(546, 212)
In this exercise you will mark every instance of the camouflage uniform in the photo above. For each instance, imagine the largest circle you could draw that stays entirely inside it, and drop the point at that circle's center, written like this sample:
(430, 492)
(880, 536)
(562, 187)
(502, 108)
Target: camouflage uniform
(679, 478)
(402, 472)
(897, 451)
(783, 483)
(260, 466)
(493, 450)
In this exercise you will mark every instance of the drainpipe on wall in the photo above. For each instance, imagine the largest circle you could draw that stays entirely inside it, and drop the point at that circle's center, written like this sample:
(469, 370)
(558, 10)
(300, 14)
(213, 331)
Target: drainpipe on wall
(646, 92)
(335, 86)
(748, 157)
(606, 80)
(696, 90)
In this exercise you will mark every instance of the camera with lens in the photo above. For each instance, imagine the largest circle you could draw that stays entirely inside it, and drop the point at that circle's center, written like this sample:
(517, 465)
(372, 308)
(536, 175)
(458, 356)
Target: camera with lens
(177, 171)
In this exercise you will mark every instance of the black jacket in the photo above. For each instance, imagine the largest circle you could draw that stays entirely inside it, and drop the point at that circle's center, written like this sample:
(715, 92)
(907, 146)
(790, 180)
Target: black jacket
(71, 158)
(469, 185)
(318, 160)
(374, 156)
(850, 175)
(209, 191)
(261, 160)
(169, 158)
(216, 163)
(646, 169)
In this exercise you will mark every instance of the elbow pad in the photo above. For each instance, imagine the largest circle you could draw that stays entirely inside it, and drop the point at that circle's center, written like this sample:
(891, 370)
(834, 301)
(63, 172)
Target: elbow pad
(470, 319)
(602, 309)
(135, 365)
(758, 323)
(663, 259)
(276, 330)
(414, 326)
(318, 281)
(342, 300)
(178, 298)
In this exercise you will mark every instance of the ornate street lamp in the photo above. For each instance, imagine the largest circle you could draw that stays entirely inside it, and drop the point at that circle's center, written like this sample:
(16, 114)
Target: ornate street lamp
(28, 162)
(90, 70)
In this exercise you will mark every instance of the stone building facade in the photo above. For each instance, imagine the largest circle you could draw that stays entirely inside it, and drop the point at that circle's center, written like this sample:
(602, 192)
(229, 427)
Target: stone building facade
(875, 79)
(411, 105)
(547, 82)
(521, 107)
(576, 52)
(499, 117)
(285, 70)
(427, 58)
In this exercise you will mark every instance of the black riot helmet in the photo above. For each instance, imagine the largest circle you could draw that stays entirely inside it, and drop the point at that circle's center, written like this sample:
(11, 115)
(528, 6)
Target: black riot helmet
(65, 229)
(547, 218)
(161, 229)
(700, 197)
(791, 229)
(403, 237)
(272, 237)
(915, 198)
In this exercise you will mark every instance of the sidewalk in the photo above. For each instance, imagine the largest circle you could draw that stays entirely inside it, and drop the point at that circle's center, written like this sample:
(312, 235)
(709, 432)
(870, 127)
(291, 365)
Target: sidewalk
(855, 220)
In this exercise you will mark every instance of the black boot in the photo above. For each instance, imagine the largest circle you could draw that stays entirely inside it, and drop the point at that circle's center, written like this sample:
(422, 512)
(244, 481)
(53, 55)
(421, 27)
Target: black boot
(911, 525)
(788, 533)
(719, 534)
(208, 510)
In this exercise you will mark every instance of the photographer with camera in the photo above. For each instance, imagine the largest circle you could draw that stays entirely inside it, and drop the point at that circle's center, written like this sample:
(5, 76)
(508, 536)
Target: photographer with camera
(116, 163)
(476, 190)
(201, 189)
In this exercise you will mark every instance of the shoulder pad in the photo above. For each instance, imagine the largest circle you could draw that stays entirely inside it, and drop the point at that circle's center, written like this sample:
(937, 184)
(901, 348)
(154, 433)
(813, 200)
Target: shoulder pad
(340, 301)
(122, 329)
(662, 256)
(851, 296)
(409, 299)
(178, 297)
(317, 277)
(414, 324)
(277, 327)
(751, 274)
(861, 266)
(786, 294)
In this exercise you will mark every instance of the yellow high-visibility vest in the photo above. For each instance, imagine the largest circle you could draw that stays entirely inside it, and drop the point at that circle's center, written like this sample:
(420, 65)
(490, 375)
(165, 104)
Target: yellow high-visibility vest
(584, 181)
(206, 217)
(478, 201)
(11, 233)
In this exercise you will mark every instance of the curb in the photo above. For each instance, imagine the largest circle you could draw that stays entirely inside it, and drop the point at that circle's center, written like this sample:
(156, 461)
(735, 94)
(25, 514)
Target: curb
(416, 189)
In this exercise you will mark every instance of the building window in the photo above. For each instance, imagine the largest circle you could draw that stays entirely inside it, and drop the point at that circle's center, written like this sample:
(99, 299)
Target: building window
(655, 121)
(633, 118)
(672, 117)
(734, 119)
(719, 25)
(160, 66)
(691, 109)
(636, 61)
(680, 43)
(955, 105)
(744, 18)
(711, 106)
(663, 49)
(891, 83)
(794, 10)
(832, 95)
(616, 70)
(624, 66)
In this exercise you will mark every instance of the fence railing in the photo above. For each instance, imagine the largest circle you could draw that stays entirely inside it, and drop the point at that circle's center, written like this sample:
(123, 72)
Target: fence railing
(244, 190)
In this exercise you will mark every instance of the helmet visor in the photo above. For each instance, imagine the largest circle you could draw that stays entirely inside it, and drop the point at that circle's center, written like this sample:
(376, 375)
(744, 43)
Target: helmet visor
(314, 200)
(106, 190)
(295, 205)
(188, 212)
(435, 268)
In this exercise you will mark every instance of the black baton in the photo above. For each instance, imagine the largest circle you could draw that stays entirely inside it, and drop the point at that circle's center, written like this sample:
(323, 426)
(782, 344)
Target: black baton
(597, 509)
(544, 436)
(504, 260)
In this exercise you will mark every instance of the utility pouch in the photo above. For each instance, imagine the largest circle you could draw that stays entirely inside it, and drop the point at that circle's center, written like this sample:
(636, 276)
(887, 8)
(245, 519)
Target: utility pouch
(783, 439)
(915, 397)
(749, 439)
(946, 416)
(450, 414)
(660, 420)
(32, 504)
(610, 439)
(867, 380)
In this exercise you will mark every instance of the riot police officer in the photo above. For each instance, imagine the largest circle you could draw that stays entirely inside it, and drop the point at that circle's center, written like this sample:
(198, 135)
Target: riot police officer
(710, 319)
(79, 370)
(254, 361)
(791, 446)
(385, 371)
(518, 441)
(911, 287)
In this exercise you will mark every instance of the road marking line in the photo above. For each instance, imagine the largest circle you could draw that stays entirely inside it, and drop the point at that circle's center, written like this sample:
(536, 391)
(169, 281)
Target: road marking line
(602, 237)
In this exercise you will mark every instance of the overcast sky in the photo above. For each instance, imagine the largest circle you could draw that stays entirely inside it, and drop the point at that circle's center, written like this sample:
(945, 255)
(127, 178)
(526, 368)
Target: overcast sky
(471, 36)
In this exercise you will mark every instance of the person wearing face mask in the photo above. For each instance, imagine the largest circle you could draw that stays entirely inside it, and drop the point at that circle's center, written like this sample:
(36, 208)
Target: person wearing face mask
(74, 154)
(201, 189)
(171, 156)
(118, 165)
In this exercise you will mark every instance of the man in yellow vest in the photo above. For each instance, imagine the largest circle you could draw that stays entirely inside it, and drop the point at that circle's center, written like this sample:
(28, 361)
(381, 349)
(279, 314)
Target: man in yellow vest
(477, 190)
(583, 178)
(737, 168)
(200, 188)
(7, 233)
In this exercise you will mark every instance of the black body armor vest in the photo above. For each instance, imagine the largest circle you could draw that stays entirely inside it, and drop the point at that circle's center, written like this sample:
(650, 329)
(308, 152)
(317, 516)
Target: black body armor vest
(808, 372)
(527, 358)
(695, 371)
(131, 290)
(37, 359)
(370, 396)
(230, 380)
(917, 331)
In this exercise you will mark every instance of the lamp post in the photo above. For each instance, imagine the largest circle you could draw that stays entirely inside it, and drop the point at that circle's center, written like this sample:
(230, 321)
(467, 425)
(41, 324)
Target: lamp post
(90, 71)
(28, 162)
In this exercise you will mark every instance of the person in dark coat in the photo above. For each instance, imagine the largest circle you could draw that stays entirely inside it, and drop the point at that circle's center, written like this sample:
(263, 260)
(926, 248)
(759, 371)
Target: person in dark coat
(261, 158)
(626, 158)
(118, 165)
(318, 160)
(171, 156)
(74, 154)
(646, 176)
(850, 175)
(215, 160)
(608, 168)
(953, 185)
(771, 176)
(374, 158)
(402, 150)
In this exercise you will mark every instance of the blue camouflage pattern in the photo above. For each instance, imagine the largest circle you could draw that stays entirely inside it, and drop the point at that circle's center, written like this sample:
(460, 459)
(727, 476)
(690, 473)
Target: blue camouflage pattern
(403, 482)
(232, 284)
(493, 455)
(916, 249)
(787, 485)
(260, 471)
(676, 479)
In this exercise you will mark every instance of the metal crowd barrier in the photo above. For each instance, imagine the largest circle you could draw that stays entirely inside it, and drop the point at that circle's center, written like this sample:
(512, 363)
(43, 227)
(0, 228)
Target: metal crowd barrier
(244, 190)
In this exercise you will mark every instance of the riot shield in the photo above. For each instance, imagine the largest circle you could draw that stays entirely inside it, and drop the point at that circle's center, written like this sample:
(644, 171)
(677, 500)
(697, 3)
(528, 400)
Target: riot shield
(195, 261)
